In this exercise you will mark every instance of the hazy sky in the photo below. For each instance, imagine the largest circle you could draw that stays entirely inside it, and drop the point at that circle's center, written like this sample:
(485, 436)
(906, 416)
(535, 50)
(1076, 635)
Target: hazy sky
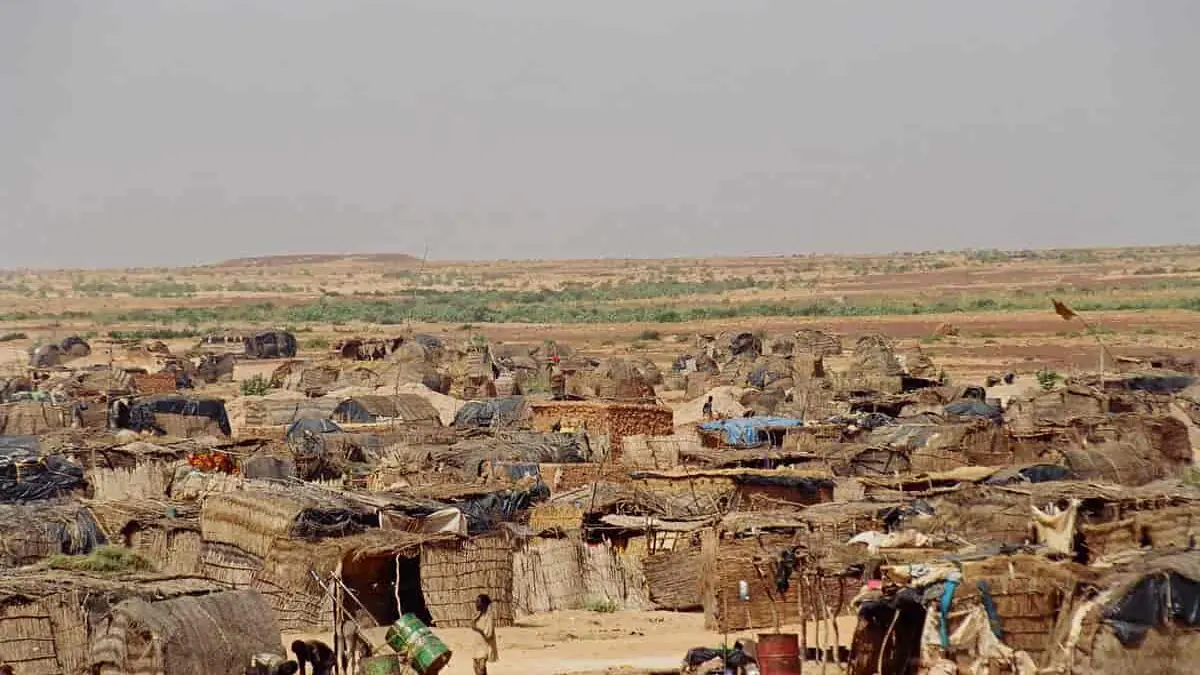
(179, 131)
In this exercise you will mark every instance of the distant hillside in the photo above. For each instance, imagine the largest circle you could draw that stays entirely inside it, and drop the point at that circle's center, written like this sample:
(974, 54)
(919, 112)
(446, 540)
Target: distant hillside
(321, 259)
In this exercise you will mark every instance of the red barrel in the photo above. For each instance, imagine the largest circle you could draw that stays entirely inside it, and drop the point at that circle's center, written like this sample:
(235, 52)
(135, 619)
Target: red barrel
(779, 653)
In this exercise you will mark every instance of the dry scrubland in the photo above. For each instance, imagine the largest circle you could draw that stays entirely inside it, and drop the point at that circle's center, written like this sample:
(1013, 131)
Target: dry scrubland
(1144, 300)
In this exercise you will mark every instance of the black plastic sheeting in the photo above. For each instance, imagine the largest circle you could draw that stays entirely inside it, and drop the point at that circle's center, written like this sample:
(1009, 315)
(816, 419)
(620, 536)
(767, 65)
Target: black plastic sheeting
(319, 523)
(970, 407)
(25, 477)
(483, 414)
(889, 632)
(141, 415)
(745, 344)
(486, 513)
(1154, 601)
(734, 658)
(295, 432)
(1037, 473)
(809, 485)
(427, 341)
(1159, 384)
(271, 345)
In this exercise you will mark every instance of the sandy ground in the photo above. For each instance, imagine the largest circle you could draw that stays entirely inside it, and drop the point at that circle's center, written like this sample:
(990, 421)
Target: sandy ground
(582, 641)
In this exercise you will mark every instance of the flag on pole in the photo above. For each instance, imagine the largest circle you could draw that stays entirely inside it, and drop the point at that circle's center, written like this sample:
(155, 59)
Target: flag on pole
(1062, 310)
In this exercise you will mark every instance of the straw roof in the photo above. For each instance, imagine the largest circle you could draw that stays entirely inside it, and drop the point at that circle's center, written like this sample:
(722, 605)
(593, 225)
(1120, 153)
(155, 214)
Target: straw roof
(255, 518)
(217, 633)
(31, 533)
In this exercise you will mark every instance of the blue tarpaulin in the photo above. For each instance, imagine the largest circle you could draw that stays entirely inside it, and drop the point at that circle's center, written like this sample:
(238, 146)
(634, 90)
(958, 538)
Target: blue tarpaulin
(748, 432)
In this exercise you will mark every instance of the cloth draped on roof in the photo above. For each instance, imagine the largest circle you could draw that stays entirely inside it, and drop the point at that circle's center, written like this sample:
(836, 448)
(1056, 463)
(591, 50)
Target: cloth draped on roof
(748, 431)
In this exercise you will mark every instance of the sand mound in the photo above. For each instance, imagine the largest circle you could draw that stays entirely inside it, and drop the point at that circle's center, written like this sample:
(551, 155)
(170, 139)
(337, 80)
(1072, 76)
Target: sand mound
(726, 402)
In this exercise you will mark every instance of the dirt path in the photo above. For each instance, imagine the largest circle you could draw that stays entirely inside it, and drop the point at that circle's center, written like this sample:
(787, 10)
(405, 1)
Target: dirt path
(580, 641)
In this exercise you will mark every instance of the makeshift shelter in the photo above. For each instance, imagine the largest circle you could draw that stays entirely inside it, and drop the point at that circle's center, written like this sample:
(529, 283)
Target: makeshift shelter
(166, 536)
(263, 415)
(30, 418)
(214, 633)
(400, 409)
(31, 533)
(496, 412)
(455, 572)
(137, 470)
(270, 345)
(255, 518)
(381, 568)
(48, 618)
(1142, 620)
(178, 416)
(747, 432)
(26, 476)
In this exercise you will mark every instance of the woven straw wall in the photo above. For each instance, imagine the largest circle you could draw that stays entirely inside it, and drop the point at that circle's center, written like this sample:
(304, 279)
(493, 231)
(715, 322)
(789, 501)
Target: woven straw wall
(29, 418)
(655, 452)
(147, 479)
(47, 636)
(726, 562)
(173, 551)
(1166, 528)
(228, 564)
(454, 574)
(613, 573)
(673, 579)
(547, 575)
(1028, 592)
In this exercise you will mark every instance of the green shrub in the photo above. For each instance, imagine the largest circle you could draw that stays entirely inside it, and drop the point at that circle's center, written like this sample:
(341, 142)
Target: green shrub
(1048, 379)
(102, 559)
(256, 385)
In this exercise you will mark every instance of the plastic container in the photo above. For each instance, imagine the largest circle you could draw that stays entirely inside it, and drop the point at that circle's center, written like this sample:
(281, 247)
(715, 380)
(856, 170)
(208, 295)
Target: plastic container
(779, 653)
(743, 591)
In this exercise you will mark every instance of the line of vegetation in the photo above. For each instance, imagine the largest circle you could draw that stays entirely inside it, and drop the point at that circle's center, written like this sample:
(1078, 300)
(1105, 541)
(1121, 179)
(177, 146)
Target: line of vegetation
(477, 308)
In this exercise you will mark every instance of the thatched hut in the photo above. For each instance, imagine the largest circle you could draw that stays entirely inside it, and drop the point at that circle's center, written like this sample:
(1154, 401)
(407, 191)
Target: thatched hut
(255, 518)
(1004, 615)
(1056, 407)
(32, 533)
(400, 410)
(177, 416)
(48, 618)
(454, 572)
(436, 576)
(1142, 620)
(137, 470)
(167, 536)
(29, 418)
(218, 632)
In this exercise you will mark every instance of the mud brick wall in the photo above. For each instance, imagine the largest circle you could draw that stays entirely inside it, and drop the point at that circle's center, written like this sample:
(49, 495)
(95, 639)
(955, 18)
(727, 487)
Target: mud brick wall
(615, 420)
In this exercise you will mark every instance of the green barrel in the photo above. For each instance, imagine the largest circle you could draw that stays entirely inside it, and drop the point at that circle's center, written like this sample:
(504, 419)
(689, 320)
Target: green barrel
(425, 651)
(388, 664)
(403, 631)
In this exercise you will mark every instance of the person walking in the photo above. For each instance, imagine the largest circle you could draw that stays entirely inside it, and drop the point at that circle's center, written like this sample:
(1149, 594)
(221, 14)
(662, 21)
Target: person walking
(484, 646)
